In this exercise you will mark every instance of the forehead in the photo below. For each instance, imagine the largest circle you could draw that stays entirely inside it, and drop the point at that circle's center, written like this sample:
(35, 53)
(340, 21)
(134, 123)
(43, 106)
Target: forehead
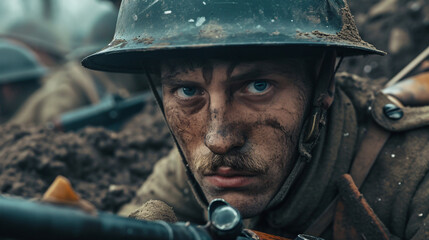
(176, 67)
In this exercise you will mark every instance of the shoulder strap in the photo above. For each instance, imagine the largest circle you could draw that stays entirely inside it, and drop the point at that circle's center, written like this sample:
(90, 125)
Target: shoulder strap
(369, 149)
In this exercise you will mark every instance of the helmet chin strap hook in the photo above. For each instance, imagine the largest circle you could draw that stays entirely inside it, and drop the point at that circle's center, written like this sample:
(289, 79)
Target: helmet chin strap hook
(322, 100)
(323, 97)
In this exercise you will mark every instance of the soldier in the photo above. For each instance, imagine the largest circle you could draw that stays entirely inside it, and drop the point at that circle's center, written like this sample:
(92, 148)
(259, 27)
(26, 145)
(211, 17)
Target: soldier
(250, 97)
(71, 86)
(49, 44)
(20, 76)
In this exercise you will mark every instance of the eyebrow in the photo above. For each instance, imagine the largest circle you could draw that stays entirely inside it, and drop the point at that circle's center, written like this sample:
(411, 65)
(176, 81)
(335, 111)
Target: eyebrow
(259, 72)
(171, 81)
(252, 73)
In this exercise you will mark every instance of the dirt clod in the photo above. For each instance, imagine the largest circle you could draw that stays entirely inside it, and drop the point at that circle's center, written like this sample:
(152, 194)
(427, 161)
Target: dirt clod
(154, 210)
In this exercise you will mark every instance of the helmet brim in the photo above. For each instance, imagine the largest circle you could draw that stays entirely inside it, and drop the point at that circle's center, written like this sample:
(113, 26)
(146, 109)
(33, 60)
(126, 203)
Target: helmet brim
(133, 59)
(147, 32)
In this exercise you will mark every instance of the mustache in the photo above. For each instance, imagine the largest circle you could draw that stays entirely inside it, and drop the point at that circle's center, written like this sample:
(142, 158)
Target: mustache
(210, 162)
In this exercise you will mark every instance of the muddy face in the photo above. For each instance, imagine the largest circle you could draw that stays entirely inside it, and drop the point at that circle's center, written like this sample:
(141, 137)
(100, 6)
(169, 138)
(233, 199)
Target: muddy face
(238, 124)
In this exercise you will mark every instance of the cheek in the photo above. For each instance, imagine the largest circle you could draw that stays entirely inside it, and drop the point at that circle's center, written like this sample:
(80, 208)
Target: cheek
(277, 141)
(277, 135)
(187, 128)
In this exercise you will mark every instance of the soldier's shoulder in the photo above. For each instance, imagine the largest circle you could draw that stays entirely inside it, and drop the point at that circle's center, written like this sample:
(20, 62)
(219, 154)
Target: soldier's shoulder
(66, 73)
(370, 102)
(396, 118)
(360, 90)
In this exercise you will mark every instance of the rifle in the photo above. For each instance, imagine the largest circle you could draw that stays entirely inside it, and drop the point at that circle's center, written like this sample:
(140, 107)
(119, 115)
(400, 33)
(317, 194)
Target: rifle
(111, 112)
(24, 219)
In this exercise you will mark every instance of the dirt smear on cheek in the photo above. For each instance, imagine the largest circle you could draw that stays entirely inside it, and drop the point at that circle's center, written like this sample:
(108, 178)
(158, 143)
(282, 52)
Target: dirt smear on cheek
(178, 122)
(276, 125)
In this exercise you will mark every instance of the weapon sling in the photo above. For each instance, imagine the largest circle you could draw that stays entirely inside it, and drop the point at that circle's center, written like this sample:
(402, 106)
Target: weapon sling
(369, 149)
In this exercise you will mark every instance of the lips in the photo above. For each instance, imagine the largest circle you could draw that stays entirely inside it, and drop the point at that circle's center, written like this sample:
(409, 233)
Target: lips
(226, 177)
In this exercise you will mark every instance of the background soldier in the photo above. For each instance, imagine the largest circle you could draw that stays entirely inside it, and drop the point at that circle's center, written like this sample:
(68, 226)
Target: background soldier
(71, 86)
(20, 76)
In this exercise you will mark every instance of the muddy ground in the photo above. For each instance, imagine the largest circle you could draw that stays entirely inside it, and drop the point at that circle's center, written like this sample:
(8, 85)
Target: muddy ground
(107, 168)
(104, 167)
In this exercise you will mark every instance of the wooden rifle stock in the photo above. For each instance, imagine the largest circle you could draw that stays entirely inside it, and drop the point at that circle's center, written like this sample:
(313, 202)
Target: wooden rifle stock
(265, 236)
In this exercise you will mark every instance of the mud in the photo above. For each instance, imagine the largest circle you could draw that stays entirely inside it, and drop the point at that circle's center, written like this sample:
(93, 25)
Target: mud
(104, 167)
(154, 210)
(145, 40)
(349, 31)
(212, 30)
(121, 42)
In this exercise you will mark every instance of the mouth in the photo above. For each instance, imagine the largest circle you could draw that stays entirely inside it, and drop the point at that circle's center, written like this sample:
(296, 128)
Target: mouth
(228, 178)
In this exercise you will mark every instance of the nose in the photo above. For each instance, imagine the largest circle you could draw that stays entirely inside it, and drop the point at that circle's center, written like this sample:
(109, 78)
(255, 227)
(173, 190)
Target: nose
(222, 136)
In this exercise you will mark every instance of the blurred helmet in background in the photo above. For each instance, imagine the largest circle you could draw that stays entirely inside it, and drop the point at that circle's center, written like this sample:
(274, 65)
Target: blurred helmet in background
(100, 33)
(18, 64)
(41, 36)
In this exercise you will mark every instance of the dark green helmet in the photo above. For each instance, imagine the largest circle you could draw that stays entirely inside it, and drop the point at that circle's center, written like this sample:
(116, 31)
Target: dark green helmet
(40, 35)
(101, 33)
(18, 64)
(147, 30)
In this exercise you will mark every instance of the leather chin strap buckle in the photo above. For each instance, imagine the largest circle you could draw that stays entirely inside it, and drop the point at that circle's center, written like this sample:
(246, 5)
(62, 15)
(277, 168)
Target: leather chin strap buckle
(312, 128)
(323, 96)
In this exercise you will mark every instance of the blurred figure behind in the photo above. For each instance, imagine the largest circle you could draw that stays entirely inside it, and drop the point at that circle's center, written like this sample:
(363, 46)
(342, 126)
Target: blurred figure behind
(42, 37)
(20, 74)
(71, 86)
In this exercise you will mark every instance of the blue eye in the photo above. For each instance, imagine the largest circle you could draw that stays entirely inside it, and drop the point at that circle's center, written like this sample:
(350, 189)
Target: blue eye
(258, 86)
(187, 91)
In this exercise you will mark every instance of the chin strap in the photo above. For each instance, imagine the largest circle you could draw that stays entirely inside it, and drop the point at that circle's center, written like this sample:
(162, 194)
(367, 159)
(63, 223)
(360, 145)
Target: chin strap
(191, 179)
(323, 96)
(313, 126)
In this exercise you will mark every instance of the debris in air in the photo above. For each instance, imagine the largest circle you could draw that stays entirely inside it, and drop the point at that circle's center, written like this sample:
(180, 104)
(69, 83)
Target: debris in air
(200, 21)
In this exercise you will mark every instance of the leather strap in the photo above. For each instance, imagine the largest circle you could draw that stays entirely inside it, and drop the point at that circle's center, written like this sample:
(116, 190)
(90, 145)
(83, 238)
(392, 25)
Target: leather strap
(369, 149)
(354, 218)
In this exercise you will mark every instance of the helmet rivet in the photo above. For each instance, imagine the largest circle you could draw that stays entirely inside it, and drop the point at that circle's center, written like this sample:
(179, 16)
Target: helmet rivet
(393, 112)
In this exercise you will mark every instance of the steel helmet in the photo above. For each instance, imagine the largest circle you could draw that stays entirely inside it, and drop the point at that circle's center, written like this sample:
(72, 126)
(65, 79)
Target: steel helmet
(18, 64)
(154, 29)
(100, 33)
(40, 35)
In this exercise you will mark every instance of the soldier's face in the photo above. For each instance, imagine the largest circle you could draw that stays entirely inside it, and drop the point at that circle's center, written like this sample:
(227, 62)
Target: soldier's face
(238, 124)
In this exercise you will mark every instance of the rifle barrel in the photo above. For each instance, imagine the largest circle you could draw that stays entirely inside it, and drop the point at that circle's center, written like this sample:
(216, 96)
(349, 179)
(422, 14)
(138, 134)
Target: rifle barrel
(109, 113)
(23, 219)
